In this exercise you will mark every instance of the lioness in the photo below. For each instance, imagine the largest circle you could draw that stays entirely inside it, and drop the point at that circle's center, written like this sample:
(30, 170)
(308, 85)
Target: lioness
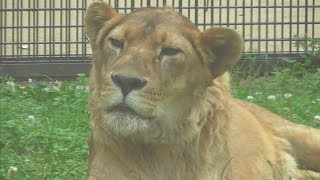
(161, 107)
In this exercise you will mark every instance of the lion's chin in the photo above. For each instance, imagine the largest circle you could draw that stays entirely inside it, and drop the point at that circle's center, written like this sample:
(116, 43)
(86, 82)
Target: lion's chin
(124, 113)
(124, 121)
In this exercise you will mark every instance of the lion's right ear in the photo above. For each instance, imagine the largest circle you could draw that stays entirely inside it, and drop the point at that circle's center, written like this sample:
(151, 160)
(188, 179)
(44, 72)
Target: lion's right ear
(224, 46)
(97, 14)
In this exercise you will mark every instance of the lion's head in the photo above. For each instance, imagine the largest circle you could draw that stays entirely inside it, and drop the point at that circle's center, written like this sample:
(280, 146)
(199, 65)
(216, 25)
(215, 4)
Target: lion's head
(149, 69)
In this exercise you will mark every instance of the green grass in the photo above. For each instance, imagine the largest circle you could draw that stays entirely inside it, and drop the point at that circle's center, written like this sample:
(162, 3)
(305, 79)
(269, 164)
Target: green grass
(291, 93)
(44, 129)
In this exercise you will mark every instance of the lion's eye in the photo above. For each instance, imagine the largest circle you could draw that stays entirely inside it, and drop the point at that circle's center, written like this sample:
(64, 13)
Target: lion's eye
(116, 43)
(169, 51)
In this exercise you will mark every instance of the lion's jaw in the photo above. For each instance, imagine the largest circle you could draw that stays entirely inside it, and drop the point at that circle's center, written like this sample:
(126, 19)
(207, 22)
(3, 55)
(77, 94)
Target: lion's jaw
(128, 116)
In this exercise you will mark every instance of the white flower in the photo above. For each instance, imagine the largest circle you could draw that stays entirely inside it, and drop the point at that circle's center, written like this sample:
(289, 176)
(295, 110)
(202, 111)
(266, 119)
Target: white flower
(13, 169)
(30, 80)
(271, 97)
(85, 88)
(80, 87)
(286, 109)
(258, 93)
(58, 83)
(31, 118)
(55, 88)
(287, 95)
(11, 85)
(46, 89)
(317, 117)
(25, 93)
(250, 97)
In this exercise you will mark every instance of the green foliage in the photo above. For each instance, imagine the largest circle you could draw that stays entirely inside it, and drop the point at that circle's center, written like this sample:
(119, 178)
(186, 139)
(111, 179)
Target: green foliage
(310, 46)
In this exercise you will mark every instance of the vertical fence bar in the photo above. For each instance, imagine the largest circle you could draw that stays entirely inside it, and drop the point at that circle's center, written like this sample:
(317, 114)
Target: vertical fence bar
(251, 25)
(212, 12)
(267, 25)
(180, 6)
(236, 14)
(189, 9)
(69, 30)
(244, 21)
(77, 28)
(298, 25)
(313, 22)
(204, 15)
(17, 27)
(306, 25)
(23, 47)
(13, 29)
(37, 30)
(34, 30)
(275, 26)
(51, 30)
(132, 5)
(282, 26)
(228, 13)
(1, 27)
(45, 30)
(220, 12)
(259, 27)
(61, 26)
(65, 29)
(84, 39)
(2, 30)
(116, 4)
(5, 28)
(290, 27)
(196, 12)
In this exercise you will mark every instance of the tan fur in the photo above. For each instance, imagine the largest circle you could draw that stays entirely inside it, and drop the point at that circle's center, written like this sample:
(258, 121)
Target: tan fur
(183, 123)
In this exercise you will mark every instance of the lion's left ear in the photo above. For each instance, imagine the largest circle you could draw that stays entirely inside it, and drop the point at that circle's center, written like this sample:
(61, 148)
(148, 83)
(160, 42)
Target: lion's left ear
(224, 47)
(98, 13)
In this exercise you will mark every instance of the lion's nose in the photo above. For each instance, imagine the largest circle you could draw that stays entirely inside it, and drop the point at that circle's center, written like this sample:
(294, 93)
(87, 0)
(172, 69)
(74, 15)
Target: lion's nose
(128, 83)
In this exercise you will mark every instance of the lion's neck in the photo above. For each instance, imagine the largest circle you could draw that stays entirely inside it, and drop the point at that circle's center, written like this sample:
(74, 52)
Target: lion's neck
(163, 161)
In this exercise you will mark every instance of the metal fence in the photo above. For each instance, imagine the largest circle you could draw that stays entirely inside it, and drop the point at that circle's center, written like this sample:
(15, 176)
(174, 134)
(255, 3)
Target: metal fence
(47, 36)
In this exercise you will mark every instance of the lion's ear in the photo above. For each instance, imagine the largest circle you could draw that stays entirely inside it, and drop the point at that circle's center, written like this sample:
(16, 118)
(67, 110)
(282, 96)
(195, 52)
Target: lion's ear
(224, 47)
(97, 14)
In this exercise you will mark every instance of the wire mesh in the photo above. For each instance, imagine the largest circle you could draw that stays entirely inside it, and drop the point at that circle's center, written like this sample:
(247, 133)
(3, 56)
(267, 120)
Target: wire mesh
(52, 31)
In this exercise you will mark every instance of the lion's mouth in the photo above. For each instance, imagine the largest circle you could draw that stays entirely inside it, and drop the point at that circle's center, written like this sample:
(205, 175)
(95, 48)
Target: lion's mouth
(124, 109)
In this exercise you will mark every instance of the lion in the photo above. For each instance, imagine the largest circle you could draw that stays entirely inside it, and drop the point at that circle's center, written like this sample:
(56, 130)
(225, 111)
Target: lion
(161, 107)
